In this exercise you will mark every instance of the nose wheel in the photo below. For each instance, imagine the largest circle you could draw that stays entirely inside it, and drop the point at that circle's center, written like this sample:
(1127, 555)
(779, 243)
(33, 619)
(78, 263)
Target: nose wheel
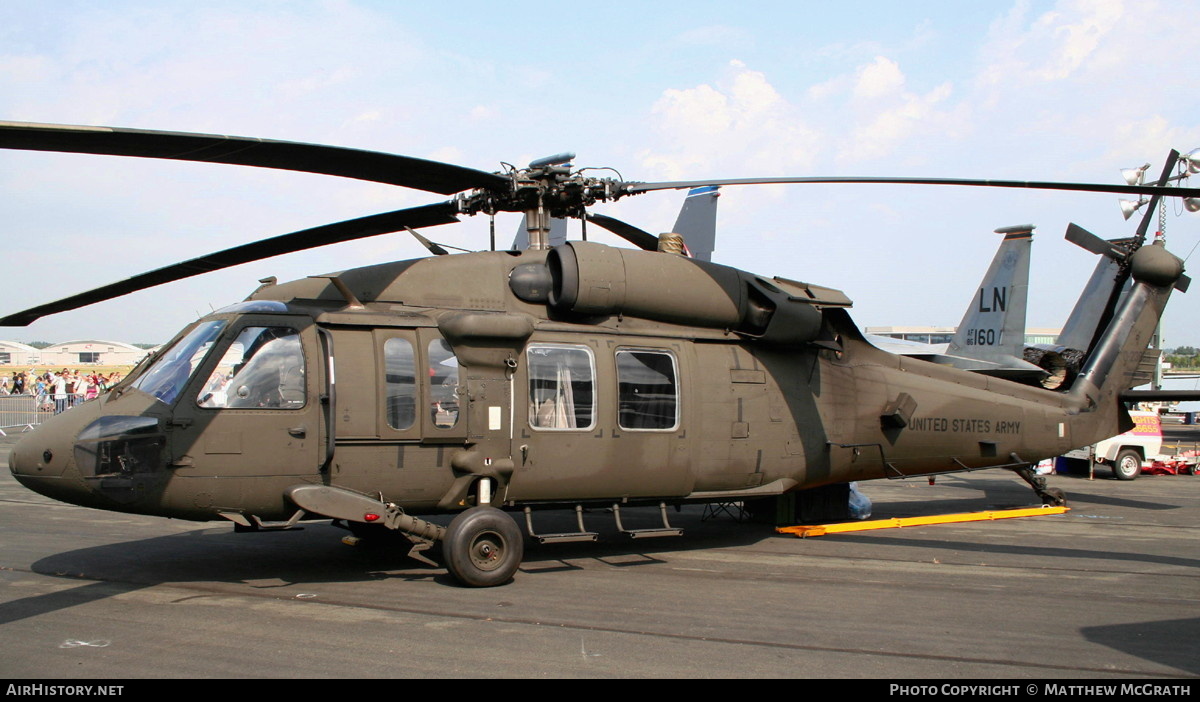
(483, 547)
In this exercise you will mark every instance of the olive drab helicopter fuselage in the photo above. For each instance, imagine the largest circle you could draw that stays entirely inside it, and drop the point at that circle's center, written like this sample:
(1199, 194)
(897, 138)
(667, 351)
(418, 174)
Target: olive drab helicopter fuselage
(482, 384)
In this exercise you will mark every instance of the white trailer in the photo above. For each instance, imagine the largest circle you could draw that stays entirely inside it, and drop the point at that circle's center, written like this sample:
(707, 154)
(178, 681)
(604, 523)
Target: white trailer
(1126, 454)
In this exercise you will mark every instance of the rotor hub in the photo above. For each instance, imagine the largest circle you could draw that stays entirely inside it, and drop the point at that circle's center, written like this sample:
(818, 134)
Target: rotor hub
(553, 189)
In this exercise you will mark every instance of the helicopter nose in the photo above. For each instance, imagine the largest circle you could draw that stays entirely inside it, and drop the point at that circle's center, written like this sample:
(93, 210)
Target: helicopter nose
(43, 460)
(40, 463)
(95, 455)
(33, 457)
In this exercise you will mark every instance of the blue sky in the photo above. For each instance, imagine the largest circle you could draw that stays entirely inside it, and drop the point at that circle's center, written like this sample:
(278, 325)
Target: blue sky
(659, 91)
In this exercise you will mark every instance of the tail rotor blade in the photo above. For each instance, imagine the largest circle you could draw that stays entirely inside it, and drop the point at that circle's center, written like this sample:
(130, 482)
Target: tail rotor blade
(1090, 242)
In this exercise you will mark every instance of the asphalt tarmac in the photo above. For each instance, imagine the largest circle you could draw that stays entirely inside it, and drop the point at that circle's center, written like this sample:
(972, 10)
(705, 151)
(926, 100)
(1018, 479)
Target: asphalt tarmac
(1110, 589)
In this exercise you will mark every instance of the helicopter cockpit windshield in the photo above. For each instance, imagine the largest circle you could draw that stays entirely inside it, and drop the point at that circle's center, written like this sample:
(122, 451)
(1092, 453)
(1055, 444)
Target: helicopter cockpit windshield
(167, 375)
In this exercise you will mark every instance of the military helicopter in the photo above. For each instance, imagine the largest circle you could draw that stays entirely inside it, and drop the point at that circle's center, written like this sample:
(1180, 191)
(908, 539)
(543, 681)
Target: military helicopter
(482, 385)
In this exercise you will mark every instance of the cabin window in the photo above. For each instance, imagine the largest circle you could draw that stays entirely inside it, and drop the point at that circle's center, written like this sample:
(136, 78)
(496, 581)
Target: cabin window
(647, 391)
(561, 387)
(262, 368)
(165, 377)
(400, 383)
(443, 384)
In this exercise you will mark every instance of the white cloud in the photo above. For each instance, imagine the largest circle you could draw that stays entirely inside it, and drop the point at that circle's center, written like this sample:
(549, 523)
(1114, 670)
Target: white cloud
(699, 110)
(1071, 87)
(829, 89)
(483, 113)
(1145, 138)
(1077, 40)
(1057, 44)
(878, 79)
(908, 116)
(741, 124)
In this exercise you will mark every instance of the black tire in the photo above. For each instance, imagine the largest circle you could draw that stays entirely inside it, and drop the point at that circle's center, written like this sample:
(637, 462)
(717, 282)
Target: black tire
(483, 547)
(1128, 465)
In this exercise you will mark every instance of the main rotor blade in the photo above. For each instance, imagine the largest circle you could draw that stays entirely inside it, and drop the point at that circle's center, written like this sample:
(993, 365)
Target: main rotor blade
(1034, 185)
(373, 166)
(638, 237)
(385, 223)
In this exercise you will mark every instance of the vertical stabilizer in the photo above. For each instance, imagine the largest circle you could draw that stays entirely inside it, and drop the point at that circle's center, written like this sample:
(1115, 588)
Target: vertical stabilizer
(993, 327)
(1080, 327)
(697, 222)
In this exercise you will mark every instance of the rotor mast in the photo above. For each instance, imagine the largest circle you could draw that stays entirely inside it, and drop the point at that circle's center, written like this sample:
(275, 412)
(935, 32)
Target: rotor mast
(550, 170)
(537, 224)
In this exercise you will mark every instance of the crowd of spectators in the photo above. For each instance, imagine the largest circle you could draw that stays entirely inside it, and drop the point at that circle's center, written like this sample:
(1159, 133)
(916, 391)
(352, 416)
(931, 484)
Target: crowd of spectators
(57, 391)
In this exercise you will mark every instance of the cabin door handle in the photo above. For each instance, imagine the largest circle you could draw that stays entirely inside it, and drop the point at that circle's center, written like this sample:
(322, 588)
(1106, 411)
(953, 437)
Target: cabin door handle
(298, 432)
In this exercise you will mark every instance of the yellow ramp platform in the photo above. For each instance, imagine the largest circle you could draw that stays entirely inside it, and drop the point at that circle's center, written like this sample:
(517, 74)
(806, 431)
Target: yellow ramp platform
(821, 529)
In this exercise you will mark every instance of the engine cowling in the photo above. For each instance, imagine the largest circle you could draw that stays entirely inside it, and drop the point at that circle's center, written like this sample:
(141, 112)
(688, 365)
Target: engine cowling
(593, 279)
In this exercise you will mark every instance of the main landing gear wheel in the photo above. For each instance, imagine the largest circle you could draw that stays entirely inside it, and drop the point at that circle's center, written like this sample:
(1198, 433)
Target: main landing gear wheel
(1127, 466)
(483, 547)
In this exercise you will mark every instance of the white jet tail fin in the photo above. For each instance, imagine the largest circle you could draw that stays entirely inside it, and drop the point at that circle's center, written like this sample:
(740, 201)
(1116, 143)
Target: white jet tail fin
(993, 328)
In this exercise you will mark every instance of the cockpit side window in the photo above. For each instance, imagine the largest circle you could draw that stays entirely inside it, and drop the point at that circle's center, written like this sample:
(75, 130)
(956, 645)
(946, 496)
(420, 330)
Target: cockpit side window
(443, 384)
(400, 383)
(263, 368)
(165, 377)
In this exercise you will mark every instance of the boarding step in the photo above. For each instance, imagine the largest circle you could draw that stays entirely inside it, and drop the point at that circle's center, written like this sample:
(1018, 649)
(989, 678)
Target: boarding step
(565, 537)
(665, 530)
(242, 524)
